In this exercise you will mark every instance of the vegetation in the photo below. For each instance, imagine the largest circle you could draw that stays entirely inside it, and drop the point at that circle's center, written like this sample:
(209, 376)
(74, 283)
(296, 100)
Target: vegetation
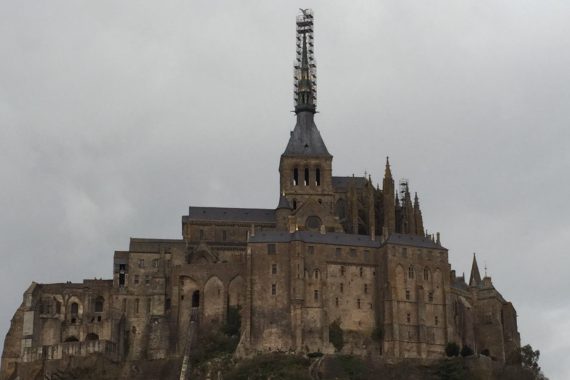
(466, 351)
(451, 369)
(452, 349)
(352, 367)
(336, 335)
(377, 334)
(273, 366)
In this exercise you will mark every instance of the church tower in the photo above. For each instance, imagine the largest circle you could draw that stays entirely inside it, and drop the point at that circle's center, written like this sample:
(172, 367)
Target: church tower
(306, 165)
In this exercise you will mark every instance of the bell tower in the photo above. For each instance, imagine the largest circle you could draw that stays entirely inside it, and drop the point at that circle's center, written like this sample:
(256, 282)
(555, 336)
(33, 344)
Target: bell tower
(305, 167)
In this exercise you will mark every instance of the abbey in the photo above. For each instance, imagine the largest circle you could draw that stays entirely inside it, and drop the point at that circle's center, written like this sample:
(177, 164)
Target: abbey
(336, 251)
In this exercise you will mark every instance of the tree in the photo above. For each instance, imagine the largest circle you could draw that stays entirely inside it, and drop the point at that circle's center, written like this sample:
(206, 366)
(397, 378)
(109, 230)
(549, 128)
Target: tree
(452, 349)
(466, 351)
(529, 360)
(336, 335)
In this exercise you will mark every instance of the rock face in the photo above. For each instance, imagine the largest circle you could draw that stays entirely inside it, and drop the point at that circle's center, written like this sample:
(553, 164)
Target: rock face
(336, 250)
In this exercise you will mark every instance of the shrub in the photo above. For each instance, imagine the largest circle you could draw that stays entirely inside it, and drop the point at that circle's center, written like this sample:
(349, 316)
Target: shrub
(336, 335)
(233, 322)
(466, 351)
(352, 367)
(452, 349)
(377, 334)
(451, 370)
(272, 366)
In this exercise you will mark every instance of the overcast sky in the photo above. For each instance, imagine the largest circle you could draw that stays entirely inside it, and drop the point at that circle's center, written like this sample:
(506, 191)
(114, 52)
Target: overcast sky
(115, 116)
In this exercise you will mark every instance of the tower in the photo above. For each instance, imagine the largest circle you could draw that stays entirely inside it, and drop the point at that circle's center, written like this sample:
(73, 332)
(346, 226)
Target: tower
(305, 167)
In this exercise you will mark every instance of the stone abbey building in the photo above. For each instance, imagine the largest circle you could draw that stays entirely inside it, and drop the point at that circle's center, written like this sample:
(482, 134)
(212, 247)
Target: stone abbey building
(334, 250)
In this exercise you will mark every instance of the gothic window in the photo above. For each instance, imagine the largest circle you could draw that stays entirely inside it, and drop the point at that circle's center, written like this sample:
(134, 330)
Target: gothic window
(294, 204)
(271, 249)
(74, 309)
(306, 176)
(405, 252)
(273, 289)
(273, 268)
(295, 177)
(411, 272)
(341, 209)
(426, 274)
(148, 306)
(99, 304)
(316, 295)
(407, 294)
(318, 177)
(366, 254)
(124, 305)
(201, 234)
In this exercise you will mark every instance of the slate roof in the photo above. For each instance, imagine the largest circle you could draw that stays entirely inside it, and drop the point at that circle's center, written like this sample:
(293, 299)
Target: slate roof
(413, 240)
(333, 238)
(229, 214)
(306, 139)
(342, 183)
(283, 203)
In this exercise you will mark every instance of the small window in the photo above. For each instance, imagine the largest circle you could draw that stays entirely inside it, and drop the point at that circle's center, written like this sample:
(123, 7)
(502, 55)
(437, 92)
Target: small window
(295, 177)
(294, 204)
(311, 250)
(358, 303)
(74, 309)
(342, 270)
(366, 254)
(273, 268)
(201, 234)
(137, 304)
(147, 280)
(136, 279)
(407, 294)
(426, 274)
(318, 177)
(224, 235)
(99, 301)
(405, 252)
(273, 289)
(411, 272)
(122, 267)
(365, 288)
(336, 301)
(338, 252)
(121, 279)
(408, 318)
(361, 271)
(306, 177)
(167, 304)
(341, 287)
(141, 263)
(353, 252)
(271, 249)
(316, 294)
(155, 263)
(317, 272)
(436, 321)
(124, 305)
(149, 305)
(430, 296)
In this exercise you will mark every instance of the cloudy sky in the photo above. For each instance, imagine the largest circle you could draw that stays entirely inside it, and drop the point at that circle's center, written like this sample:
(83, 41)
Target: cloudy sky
(117, 115)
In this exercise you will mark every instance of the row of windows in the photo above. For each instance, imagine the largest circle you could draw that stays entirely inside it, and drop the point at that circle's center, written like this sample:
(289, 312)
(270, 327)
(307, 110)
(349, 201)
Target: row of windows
(155, 263)
(136, 305)
(307, 177)
(429, 296)
(409, 319)
(412, 273)
(224, 235)
(271, 250)
(359, 303)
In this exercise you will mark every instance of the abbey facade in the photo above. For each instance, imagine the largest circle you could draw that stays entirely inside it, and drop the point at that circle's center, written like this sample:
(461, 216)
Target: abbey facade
(336, 251)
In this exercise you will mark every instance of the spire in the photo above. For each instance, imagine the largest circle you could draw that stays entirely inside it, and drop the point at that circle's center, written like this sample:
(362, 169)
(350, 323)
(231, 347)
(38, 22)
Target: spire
(387, 171)
(416, 201)
(305, 68)
(418, 216)
(475, 278)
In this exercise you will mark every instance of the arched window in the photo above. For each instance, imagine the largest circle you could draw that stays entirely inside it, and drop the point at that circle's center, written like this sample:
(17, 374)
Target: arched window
(74, 308)
(99, 301)
(295, 177)
(411, 272)
(318, 177)
(426, 274)
(317, 274)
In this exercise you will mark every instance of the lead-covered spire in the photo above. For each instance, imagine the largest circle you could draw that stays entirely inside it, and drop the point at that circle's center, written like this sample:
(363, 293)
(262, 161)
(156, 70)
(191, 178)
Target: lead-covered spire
(305, 67)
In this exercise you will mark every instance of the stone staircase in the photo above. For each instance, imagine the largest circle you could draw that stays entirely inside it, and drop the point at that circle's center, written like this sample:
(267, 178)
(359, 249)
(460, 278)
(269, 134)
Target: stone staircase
(190, 337)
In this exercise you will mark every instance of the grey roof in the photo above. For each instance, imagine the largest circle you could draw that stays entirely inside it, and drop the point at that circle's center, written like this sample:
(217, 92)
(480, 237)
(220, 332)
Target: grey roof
(333, 238)
(283, 203)
(228, 214)
(413, 240)
(306, 139)
(342, 183)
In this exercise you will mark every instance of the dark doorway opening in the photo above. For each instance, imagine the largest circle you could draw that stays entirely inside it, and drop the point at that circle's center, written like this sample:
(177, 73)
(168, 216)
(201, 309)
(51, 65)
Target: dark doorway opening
(196, 298)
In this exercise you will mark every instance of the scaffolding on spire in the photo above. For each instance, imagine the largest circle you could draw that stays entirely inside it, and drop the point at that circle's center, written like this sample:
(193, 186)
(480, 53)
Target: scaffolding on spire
(305, 68)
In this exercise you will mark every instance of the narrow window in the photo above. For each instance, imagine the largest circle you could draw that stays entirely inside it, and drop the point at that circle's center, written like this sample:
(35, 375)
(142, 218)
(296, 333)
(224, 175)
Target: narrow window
(430, 296)
(336, 301)
(316, 295)
(141, 263)
(137, 304)
(167, 304)
(311, 250)
(341, 287)
(74, 309)
(408, 318)
(155, 263)
(136, 279)
(147, 280)
(201, 234)
(224, 235)
(316, 274)
(342, 270)
(358, 303)
(121, 279)
(148, 305)
(306, 176)
(124, 305)
(361, 271)
(273, 289)
(295, 177)
(271, 249)
(318, 177)
(294, 204)
(365, 288)
(338, 252)
(99, 301)
(411, 272)
(426, 274)
(353, 252)
(407, 294)
(436, 320)
(273, 268)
